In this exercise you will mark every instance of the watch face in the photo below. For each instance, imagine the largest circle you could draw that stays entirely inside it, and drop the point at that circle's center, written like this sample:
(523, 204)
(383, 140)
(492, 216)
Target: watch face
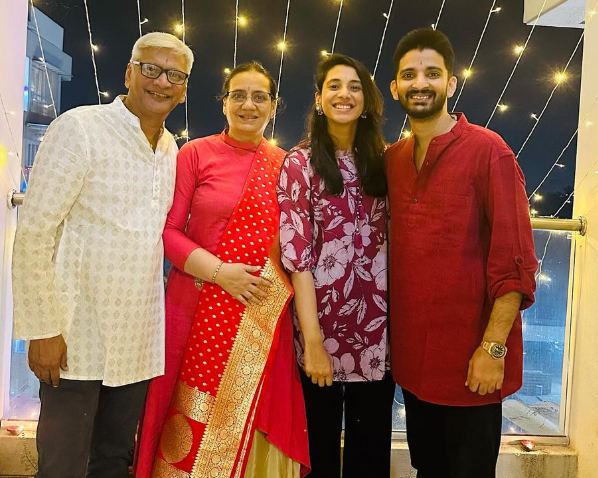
(498, 350)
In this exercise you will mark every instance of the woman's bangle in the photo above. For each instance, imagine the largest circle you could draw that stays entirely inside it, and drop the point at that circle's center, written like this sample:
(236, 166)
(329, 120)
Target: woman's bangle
(216, 272)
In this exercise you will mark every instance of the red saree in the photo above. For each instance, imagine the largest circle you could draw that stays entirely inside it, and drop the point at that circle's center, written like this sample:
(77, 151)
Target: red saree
(231, 348)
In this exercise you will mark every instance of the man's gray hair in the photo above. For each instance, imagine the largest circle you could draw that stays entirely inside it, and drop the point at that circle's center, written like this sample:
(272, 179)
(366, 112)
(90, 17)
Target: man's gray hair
(160, 40)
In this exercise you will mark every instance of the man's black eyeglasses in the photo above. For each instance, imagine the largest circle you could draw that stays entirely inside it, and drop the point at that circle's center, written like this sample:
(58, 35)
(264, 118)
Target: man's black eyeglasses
(149, 70)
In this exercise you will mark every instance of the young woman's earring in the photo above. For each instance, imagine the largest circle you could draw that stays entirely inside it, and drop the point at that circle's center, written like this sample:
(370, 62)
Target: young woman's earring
(364, 115)
(319, 109)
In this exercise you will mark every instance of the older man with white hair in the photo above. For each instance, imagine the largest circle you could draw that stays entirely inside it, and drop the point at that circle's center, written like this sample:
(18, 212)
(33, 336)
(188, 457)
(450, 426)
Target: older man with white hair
(87, 280)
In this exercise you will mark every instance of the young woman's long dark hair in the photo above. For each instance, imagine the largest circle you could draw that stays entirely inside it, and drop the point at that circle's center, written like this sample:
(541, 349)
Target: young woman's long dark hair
(369, 143)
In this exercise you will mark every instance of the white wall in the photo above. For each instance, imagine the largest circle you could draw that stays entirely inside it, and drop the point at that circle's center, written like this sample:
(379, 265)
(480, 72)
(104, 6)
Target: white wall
(13, 33)
(584, 385)
(556, 13)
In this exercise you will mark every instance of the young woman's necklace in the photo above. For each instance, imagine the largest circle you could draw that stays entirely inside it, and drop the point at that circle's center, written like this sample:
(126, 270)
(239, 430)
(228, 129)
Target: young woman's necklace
(359, 209)
(359, 216)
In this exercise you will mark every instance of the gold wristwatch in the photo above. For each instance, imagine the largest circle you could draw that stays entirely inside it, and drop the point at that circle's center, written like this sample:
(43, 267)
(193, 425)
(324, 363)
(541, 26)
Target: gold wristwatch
(495, 349)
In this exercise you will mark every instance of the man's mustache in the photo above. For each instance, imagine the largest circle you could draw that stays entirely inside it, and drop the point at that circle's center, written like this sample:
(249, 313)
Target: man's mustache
(425, 91)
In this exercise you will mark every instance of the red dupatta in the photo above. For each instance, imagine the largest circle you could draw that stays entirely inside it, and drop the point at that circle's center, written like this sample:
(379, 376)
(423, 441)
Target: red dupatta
(211, 420)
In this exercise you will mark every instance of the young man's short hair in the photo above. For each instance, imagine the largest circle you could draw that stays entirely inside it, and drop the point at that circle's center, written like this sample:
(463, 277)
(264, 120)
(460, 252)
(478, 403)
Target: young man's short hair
(426, 39)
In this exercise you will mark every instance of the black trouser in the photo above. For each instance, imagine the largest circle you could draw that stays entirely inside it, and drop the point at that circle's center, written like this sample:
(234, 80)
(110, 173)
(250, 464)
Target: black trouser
(87, 429)
(452, 442)
(368, 427)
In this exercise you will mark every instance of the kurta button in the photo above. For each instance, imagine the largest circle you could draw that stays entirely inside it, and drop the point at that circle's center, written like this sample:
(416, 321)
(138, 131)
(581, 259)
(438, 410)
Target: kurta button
(519, 260)
(414, 200)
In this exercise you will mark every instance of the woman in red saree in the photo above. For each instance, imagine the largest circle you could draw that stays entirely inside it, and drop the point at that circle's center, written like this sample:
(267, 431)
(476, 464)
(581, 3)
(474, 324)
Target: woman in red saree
(230, 402)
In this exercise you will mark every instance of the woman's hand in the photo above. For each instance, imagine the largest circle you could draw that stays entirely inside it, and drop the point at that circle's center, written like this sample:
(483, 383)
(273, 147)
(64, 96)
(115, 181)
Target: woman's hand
(237, 279)
(318, 364)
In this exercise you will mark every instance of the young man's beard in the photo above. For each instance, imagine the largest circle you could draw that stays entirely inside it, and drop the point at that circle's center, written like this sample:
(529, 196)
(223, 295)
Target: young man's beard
(436, 105)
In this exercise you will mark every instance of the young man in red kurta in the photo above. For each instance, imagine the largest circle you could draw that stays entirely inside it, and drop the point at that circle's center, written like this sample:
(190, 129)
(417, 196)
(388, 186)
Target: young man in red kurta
(462, 267)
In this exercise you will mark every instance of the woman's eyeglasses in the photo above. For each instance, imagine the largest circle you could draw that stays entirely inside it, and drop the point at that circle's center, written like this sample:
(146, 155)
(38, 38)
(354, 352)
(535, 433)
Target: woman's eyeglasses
(240, 96)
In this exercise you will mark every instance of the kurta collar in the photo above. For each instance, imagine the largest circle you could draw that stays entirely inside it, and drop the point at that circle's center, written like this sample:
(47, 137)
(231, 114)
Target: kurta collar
(128, 116)
(248, 146)
(446, 138)
(455, 132)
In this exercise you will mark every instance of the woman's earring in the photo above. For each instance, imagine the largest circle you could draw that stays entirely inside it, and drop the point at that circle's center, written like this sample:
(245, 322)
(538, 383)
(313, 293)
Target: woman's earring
(319, 109)
(364, 115)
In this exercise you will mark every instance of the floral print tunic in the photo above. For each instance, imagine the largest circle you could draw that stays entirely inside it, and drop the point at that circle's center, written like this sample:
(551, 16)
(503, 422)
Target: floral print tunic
(342, 241)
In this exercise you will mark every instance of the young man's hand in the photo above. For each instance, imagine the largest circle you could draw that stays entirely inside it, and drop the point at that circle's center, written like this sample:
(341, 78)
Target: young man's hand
(485, 374)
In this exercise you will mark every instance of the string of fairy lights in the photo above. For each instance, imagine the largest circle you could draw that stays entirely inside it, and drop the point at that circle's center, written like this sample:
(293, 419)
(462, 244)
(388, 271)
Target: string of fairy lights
(521, 50)
(241, 21)
(185, 134)
(237, 22)
(435, 24)
(139, 18)
(560, 77)
(534, 196)
(282, 46)
(93, 48)
(469, 70)
(387, 16)
(540, 276)
(338, 21)
(556, 164)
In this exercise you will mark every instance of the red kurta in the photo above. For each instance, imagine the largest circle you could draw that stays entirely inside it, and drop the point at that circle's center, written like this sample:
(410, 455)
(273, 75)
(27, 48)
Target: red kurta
(460, 237)
(211, 173)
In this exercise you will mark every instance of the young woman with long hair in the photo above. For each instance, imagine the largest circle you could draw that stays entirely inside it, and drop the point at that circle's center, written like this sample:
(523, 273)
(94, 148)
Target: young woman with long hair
(332, 196)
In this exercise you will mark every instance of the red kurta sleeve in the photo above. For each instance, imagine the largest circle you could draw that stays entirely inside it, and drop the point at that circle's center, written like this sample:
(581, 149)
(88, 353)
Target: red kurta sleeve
(177, 246)
(511, 258)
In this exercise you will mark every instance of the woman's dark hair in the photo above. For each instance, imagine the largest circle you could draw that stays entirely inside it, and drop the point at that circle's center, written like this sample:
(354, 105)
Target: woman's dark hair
(248, 66)
(426, 39)
(369, 143)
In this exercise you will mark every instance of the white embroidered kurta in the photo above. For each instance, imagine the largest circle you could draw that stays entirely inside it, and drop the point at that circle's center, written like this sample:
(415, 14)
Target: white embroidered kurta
(88, 253)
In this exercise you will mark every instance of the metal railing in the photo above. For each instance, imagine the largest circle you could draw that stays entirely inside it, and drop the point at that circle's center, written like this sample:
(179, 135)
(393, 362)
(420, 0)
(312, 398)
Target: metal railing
(579, 224)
